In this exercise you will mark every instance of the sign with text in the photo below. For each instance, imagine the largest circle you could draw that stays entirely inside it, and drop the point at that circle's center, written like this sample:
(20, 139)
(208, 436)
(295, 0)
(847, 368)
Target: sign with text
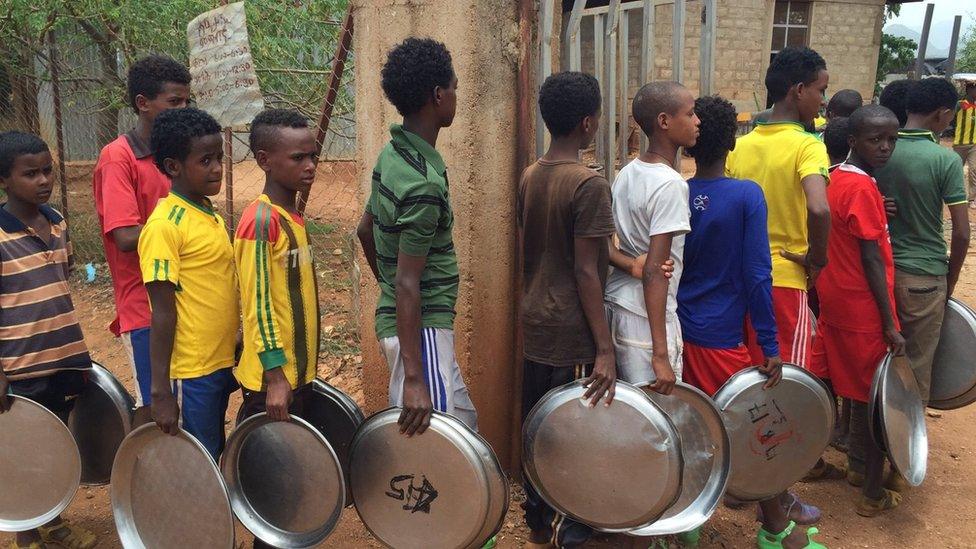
(225, 83)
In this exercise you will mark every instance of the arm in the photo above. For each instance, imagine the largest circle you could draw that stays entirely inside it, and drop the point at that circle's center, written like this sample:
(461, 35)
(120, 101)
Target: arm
(586, 252)
(959, 244)
(818, 223)
(757, 274)
(126, 238)
(365, 233)
(417, 406)
(874, 270)
(165, 410)
(635, 265)
(655, 300)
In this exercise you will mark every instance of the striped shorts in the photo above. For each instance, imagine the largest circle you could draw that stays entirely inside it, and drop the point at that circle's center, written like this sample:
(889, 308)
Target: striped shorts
(448, 392)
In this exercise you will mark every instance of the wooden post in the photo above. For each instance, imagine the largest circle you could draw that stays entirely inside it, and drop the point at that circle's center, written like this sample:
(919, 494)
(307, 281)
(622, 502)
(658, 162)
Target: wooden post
(647, 55)
(923, 42)
(230, 219)
(545, 68)
(58, 122)
(953, 46)
(678, 42)
(623, 120)
(707, 50)
(572, 37)
(598, 21)
(609, 87)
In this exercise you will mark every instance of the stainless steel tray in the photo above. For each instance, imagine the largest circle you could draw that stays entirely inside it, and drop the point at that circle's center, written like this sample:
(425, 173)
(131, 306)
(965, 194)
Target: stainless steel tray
(168, 494)
(899, 411)
(100, 419)
(40, 468)
(337, 417)
(954, 367)
(614, 468)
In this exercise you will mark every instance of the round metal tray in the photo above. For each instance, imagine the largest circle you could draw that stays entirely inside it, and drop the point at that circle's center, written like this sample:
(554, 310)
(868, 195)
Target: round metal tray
(167, 493)
(953, 368)
(40, 468)
(336, 416)
(705, 447)
(901, 416)
(777, 434)
(426, 491)
(100, 419)
(614, 468)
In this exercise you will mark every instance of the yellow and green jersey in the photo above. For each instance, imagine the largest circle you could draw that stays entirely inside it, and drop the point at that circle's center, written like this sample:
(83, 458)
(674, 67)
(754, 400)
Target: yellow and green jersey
(965, 123)
(279, 297)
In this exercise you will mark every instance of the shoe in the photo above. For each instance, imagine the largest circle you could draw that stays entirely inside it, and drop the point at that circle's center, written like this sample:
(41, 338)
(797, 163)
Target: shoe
(68, 536)
(855, 479)
(797, 511)
(765, 540)
(896, 483)
(691, 538)
(825, 471)
(868, 507)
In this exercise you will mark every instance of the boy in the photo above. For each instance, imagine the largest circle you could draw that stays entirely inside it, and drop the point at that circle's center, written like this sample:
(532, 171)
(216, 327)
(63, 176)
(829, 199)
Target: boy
(922, 177)
(835, 140)
(843, 104)
(127, 185)
(727, 276)
(857, 323)
(276, 273)
(44, 356)
(650, 209)
(406, 237)
(187, 265)
(964, 136)
(893, 97)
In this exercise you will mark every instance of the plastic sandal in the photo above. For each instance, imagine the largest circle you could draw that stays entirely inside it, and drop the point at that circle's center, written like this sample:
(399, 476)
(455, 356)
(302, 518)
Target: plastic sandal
(75, 537)
(896, 483)
(825, 471)
(765, 540)
(797, 511)
(691, 538)
(33, 545)
(855, 479)
(873, 507)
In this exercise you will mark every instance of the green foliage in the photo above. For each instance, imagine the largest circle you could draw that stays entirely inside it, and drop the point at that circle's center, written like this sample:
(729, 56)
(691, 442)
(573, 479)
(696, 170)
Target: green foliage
(896, 52)
(892, 11)
(966, 54)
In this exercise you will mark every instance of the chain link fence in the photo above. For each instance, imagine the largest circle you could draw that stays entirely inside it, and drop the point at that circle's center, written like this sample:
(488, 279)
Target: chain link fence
(74, 54)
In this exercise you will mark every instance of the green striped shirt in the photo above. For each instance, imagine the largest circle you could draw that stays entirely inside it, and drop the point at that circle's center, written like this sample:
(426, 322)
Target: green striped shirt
(412, 214)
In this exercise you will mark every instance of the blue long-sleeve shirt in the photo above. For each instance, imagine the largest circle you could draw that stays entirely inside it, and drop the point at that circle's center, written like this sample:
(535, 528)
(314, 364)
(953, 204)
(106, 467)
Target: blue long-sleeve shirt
(728, 268)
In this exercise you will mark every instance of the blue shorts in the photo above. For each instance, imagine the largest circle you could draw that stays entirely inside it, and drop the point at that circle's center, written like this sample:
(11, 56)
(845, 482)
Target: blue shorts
(203, 405)
(136, 345)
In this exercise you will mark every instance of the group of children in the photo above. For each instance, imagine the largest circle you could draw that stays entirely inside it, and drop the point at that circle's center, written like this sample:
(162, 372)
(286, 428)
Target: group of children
(709, 276)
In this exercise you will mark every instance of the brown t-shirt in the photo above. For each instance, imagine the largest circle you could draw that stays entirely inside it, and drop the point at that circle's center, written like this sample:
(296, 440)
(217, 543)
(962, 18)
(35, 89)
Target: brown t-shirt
(559, 202)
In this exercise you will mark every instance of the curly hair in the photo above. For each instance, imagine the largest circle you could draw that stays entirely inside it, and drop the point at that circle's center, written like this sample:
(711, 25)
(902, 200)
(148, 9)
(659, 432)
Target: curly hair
(174, 130)
(792, 66)
(893, 96)
(14, 144)
(929, 95)
(716, 135)
(413, 69)
(566, 98)
(265, 124)
(835, 137)
(844, 103)
(148, 75)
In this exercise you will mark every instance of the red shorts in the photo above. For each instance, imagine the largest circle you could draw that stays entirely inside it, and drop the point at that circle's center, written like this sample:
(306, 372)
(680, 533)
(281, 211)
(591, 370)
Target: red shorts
(708, 369)
(850, 358)
(794, 328)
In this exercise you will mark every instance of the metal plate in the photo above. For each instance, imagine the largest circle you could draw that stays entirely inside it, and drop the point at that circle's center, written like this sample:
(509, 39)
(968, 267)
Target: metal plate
(40, 468)
(167, 493)
(903, 418)
(284, 480)
(875, 425)
(953, 368)
(777, 434)
(100, 419)
(706, 450)
(614, 468)
(336, 416)
(425, 491)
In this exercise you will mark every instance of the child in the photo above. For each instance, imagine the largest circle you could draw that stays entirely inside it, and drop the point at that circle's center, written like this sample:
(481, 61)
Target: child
(964, 135)
(44, 356)
(127, 185)
(276, 273)
(843, 104)
(650, 208)
(406, 237)
(857, 323)
(727, 276)
(893, 97)
(187, 264)
(835, 139)
(923, 177)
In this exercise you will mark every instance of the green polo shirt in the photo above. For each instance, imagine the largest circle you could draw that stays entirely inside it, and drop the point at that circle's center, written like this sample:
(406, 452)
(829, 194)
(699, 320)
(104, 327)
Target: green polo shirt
(412, 214)
(921, 176)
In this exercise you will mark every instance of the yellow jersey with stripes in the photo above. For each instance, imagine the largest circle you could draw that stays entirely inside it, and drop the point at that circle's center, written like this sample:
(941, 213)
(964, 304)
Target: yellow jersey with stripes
(965, 123)
(186, 244)
(279, 297)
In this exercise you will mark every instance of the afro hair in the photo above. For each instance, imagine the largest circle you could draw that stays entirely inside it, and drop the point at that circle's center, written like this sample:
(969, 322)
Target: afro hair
(174, 130)
(835, 138)
(566, 98)
(413, 69)
(790, 67)
(894, 95)
(265, 124)
(929, 95)
(14, 144)
(716, 135)
(148, 75)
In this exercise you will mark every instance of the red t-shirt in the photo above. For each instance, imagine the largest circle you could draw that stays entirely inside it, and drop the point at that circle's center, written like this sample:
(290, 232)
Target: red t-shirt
(127, 186)
(856, 213)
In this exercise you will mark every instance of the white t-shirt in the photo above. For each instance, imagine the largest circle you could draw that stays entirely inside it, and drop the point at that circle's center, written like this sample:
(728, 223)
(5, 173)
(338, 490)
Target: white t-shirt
(648, 200)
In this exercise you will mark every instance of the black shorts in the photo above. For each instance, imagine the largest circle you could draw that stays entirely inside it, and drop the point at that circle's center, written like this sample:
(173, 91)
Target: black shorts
(55, 392)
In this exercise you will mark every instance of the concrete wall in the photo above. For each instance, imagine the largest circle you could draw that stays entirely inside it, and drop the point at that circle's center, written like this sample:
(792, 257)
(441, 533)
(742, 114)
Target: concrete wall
(847, 33)
(479, 150)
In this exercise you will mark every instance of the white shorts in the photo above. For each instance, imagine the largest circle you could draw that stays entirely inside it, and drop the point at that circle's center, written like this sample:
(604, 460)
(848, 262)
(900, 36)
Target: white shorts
(631, 336)
(441, 371)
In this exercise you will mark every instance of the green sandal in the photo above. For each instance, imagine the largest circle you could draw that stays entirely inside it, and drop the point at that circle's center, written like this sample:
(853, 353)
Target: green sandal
(68, 536)
(765, 540)
(691, 538)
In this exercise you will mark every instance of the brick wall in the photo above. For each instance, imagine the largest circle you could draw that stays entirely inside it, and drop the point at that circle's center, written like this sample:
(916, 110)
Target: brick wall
(847, 33)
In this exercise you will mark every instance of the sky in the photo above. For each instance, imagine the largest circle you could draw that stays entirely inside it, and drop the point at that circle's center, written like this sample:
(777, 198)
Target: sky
(913, 14)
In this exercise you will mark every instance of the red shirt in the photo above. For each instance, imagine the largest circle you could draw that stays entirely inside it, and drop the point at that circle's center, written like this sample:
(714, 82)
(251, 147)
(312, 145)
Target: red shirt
(127, 186)
(856, 213)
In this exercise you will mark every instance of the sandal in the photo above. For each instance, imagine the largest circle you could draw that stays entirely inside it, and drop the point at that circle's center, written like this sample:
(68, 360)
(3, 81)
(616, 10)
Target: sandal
(868, 507)
(691, 538)
(855, 479)
(33, 545)
(68, 536)
(825, 471)
(796, 511)
(765, 540)
(896, 483)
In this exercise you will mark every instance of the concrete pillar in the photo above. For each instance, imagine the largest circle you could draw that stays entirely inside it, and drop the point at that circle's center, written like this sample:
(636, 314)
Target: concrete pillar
(480, 152)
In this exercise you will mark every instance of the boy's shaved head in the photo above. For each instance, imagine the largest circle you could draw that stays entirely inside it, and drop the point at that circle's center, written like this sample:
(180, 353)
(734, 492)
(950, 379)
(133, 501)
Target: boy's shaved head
(844, 103)
(656, 98)
(871, 115)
